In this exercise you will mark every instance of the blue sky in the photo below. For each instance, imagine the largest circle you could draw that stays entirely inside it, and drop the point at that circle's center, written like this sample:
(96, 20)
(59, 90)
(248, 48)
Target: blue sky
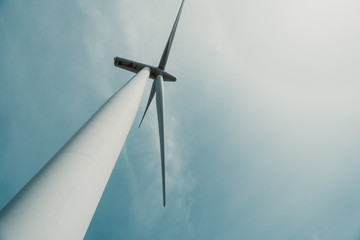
(262, 126)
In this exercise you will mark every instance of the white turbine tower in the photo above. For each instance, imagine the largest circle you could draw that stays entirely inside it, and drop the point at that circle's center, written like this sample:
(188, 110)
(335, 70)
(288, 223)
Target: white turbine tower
(60, 200)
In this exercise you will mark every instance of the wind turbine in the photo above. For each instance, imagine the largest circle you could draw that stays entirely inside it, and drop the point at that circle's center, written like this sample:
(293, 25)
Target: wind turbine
(60, 200)
(159, 75)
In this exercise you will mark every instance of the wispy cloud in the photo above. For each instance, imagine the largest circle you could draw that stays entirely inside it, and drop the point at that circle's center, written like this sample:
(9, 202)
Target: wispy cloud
(144, 167)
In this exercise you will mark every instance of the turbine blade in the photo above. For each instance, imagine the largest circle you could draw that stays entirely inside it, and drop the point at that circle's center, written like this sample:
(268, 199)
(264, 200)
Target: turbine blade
(151, 96)
(160, 112)
(166, 52)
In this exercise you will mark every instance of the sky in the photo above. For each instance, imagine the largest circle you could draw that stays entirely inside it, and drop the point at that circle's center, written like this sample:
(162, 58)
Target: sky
(262, 126)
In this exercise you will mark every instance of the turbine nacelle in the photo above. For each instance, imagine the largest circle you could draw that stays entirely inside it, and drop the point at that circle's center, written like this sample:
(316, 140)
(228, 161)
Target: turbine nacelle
(135, 67)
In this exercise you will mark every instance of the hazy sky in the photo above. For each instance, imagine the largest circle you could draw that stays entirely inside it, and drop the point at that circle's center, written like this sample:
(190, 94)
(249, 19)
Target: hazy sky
(262, 126)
